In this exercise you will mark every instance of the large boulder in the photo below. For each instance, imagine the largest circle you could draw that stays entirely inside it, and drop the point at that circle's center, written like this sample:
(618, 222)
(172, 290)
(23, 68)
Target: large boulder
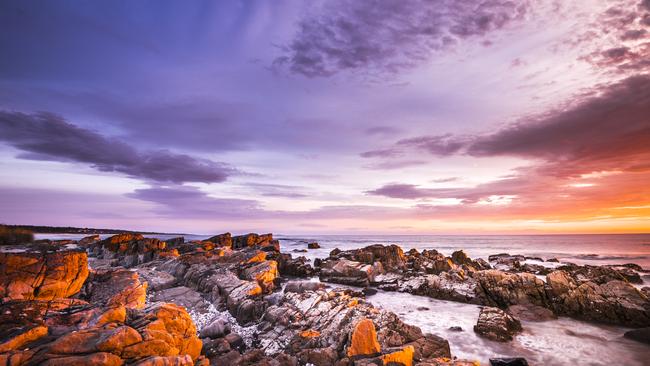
(616, 302)
(349, 272)
(496, 324)
(503, 289)
(42, 272)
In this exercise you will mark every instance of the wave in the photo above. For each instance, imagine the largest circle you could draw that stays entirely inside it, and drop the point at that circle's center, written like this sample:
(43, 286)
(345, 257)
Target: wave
(599, 257)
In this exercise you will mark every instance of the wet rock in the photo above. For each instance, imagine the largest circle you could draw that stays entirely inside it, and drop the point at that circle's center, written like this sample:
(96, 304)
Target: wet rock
(554, 260)
(496, 324)
(508, 361)
(452, 286)
(502, 289)
(456, 329)
(616, 302)
(42, 272)
(640, 335)
(313, 245)
(531, 312)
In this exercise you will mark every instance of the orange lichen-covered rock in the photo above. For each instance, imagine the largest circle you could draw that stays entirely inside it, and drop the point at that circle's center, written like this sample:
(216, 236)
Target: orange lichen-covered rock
(43, 272)
(117, 288)
(184, 360)
(403, 357)
(112, 315)
(257, 258)
(364, 339)
(21, 337)
(310, 333)
(98, 358)
(117, 339)
(264, 273)
(175, 321)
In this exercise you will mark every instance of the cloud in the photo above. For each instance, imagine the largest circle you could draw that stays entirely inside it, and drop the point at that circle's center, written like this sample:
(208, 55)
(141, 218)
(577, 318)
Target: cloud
(389, 36)
(191, 202)
(45, 136)
(442, 145)
(608, 130)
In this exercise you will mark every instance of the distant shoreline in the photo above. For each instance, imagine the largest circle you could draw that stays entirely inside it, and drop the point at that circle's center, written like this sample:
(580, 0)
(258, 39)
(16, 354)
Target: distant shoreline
(37, 229)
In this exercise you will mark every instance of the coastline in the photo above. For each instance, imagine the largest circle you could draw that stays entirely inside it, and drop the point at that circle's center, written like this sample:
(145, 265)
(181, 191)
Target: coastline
(247, 261)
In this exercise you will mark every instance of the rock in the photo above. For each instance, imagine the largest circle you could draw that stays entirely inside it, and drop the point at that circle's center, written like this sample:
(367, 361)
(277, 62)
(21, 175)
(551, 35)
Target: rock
(217, 329)
(99, 358)
(640, 335)
(363, 340)
(313, 245)
(184, 360)
(511, 361)
(402, 357)
(156, 280)
(89, 240)
(531, 312)
(42, 272)
(298, 267)
(502, 289)
(302, 286)
(116, 287)
(554, 260)
(18, 338)
(616, 302)
(496, 324)
(459, 257)
(349, 272)
(456, 329)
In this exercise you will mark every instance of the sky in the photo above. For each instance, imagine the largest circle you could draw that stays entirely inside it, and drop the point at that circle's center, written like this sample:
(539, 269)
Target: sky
(327, 117)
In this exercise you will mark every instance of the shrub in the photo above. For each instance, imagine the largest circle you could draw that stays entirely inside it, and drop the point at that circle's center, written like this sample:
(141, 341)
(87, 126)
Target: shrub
(13, 236)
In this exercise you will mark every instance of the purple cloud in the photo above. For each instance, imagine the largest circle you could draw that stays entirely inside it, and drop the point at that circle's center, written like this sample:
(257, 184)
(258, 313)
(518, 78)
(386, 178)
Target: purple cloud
(45, 136)
(389, 36)
(442, 145)
(184, 201)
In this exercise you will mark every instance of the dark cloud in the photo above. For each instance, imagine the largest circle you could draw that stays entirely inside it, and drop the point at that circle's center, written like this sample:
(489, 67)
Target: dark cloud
(608, 130)
(45, 136)
(445, 180)
(442, 145)
(382, 153)
(389, 35)
(383, 130)
(604, 132)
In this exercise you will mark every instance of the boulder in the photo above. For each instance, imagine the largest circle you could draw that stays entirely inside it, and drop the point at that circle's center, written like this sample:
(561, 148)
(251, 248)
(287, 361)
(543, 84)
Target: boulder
(363, 340)
(615, 302)
(42, 272)
(349, 272)
(313, 245)
(640, 335)
(496, 324)
(502, 289)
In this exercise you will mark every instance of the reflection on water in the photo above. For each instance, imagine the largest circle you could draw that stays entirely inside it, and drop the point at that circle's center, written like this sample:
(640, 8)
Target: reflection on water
(557, 342)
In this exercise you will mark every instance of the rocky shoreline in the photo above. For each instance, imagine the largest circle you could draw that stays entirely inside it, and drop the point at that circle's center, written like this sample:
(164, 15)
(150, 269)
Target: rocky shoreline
(238, 300)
